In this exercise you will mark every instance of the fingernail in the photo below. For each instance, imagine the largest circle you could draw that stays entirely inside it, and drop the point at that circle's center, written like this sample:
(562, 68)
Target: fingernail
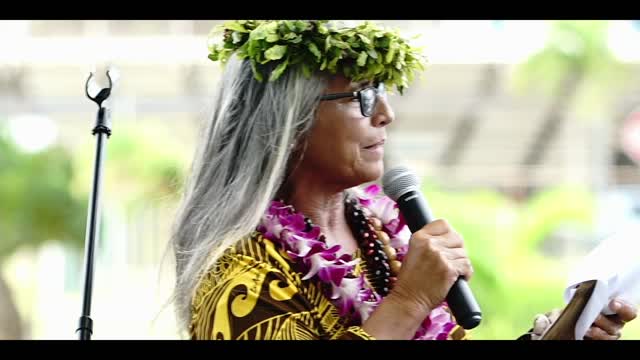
(616, 305)
(589, 333)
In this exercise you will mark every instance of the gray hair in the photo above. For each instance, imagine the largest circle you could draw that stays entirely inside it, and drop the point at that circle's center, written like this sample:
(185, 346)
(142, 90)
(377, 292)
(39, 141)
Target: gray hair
(240, 164)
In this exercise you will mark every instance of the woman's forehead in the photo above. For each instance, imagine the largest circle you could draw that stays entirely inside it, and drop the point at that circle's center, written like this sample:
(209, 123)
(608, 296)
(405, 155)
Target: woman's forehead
(342, 83)
(360, 84)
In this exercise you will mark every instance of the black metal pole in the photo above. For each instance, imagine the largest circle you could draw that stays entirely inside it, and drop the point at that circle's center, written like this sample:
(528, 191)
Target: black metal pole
(102, 131)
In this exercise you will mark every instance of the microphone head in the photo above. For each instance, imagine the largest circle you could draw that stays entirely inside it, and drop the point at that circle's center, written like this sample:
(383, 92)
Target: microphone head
(399, 181)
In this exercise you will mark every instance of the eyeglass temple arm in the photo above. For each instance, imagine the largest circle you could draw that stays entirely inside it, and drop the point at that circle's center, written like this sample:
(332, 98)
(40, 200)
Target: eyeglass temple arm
(339, 95)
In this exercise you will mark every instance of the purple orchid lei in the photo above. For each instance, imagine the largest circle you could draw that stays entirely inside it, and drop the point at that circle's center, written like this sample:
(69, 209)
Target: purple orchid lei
(349, 293)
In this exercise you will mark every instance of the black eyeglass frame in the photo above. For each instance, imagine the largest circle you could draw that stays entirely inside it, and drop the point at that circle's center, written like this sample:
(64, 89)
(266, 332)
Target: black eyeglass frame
(361, 95)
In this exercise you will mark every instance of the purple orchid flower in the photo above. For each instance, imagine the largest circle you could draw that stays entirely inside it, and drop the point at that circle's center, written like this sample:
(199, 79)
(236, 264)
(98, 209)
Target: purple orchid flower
(350, 294)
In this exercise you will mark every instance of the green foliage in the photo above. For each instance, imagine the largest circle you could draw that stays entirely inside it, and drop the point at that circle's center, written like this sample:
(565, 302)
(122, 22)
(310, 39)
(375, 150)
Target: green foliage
(570, 45)
(513, 280)
(36, 202)
(550, 210)
(141, 165)
(364, 52)
(575, 46)
(44, 195)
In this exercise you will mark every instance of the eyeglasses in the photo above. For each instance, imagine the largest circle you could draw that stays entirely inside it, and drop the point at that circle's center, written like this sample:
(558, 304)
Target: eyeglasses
(368, 98)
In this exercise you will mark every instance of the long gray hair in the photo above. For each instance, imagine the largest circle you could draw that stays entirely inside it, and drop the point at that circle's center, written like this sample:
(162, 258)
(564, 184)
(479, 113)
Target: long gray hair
(240, 164)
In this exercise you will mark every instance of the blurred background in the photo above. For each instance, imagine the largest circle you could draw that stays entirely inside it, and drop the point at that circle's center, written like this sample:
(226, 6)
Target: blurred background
(527, 134)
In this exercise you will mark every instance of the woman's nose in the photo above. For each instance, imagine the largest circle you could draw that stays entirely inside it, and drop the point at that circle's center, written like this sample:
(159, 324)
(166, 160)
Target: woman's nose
(383, 114)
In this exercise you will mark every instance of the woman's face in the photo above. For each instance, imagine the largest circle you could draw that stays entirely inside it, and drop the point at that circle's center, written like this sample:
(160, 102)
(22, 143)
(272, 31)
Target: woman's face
(344, 147)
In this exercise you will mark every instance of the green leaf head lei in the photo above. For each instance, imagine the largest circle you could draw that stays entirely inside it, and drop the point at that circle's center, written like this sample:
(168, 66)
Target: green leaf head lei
(363, 52)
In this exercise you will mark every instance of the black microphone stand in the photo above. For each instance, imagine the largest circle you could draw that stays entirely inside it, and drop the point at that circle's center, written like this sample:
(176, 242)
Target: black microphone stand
(101, 129)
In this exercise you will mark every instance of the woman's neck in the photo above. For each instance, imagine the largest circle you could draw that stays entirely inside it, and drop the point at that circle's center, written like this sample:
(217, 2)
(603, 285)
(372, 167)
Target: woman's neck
(326, 209)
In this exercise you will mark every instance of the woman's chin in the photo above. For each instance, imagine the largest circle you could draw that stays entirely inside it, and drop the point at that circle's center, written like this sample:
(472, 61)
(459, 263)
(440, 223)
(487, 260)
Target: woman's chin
(372, 172)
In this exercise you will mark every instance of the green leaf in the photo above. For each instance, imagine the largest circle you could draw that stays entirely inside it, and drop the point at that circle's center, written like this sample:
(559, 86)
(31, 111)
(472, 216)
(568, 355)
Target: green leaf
(385, 43)
(226, 54)
(347, 72)
(377, 68)
(400, 61)
(235, 26)
(256, 72)
(332, 64)
(252, 49)
(327, 43)
(340, 44)
(392, 51)
(275, 74)
(242, 51)
(237, 37)
(214, 56)
(290, 36)
(350, 53)
(306, 70)
(362, 59)
(276, 52)
(290, 25)
(324, 64)
(263, 30)
(259, 33)
(270, 27)
(302, 25)
(314, 50)
(364, 52)
(364, 39)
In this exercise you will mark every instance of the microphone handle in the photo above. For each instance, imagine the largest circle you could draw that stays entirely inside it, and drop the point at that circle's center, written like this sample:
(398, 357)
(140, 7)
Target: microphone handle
(460, 299)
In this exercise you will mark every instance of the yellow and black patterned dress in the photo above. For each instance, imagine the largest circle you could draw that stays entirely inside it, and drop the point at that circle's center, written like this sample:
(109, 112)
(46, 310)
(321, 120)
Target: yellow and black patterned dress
(260, 297)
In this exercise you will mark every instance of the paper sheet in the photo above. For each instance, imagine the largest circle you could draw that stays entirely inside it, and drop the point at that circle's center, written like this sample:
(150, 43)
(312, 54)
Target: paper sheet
(615, 264)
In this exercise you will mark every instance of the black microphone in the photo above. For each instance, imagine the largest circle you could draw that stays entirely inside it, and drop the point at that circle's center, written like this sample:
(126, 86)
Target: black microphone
(402, 186)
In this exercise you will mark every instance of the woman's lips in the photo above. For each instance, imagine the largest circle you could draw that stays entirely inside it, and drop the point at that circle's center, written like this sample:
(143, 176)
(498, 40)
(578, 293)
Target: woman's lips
(375, 145)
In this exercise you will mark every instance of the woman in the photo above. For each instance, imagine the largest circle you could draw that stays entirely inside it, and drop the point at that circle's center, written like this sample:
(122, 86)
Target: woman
(275, 238)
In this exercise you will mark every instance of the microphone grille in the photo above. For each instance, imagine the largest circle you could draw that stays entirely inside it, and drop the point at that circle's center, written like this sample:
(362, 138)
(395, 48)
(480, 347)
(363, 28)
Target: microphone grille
(398, 181)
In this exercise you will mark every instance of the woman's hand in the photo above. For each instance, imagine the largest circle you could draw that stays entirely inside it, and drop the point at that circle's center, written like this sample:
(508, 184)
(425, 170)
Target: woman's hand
(609, 327)
(434, 261)
(605, 327)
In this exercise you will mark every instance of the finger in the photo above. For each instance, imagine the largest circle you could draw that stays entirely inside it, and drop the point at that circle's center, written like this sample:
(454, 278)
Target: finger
(608, 325)
(451, 240)
(625, 311)
(554, 314)
(437, 243)
(595, 333)
(455, 253)
(464, 268)
(540, 324)
(437, 227)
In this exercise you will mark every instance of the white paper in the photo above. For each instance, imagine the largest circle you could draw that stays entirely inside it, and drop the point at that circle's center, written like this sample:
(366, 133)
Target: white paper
(615, 264)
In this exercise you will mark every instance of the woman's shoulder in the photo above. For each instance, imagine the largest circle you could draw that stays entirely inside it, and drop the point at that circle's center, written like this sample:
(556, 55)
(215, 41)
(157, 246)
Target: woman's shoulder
(251, 254)
(253, 250)
(250, 274)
